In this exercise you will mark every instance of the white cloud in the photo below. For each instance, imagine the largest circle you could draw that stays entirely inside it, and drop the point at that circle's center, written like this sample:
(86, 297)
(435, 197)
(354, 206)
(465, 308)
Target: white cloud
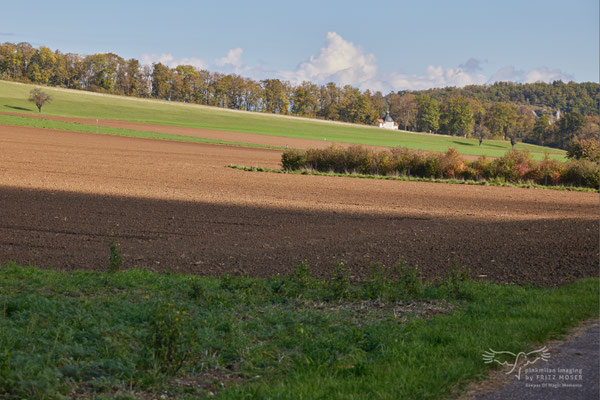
(339, 61)
(507, 74)
(234, 58)
(543, 74)
(172, 62)
(435, 77)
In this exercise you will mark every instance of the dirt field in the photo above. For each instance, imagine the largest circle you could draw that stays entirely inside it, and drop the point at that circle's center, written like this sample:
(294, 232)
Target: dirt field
(175, 206)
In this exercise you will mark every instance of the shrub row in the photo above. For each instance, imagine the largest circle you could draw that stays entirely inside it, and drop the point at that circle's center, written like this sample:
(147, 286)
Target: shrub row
(515, 166)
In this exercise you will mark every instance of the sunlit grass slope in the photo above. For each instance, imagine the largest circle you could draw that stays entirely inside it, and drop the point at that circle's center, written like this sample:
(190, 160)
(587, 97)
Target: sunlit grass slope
(74, 103)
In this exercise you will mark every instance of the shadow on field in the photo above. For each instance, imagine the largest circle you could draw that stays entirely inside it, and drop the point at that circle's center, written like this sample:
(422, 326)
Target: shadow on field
(465, 143)
(70, 230)
(18, 108)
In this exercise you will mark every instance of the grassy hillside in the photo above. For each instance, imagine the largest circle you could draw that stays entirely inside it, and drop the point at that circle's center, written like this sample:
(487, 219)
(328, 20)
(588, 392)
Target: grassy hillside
(72, 103)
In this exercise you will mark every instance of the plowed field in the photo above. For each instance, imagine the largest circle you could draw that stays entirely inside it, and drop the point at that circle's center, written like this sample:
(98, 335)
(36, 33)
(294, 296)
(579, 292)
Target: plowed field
(176, 206)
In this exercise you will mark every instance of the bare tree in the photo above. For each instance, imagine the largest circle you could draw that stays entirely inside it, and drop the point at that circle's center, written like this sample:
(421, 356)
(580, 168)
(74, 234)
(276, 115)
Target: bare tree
(515, 134)
(39, 98)
(481, 132)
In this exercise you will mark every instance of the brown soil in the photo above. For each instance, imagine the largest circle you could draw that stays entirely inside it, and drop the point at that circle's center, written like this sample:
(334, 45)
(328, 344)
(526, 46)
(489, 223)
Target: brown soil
(175, 206)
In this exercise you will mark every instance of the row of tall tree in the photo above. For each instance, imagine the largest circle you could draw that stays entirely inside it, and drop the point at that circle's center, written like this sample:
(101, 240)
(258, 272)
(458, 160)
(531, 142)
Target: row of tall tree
(503, 110)
(462, 116)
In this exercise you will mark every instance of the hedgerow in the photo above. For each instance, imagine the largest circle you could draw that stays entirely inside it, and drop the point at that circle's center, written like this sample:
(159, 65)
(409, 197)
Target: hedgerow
(516, 166)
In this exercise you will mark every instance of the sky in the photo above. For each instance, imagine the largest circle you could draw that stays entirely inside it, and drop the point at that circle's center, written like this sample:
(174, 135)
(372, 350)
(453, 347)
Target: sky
(387, 45)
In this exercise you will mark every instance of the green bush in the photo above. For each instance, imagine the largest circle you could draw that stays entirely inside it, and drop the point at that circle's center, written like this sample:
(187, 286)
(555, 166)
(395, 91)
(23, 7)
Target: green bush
(582, 173)
(292, 159)
(358, 159)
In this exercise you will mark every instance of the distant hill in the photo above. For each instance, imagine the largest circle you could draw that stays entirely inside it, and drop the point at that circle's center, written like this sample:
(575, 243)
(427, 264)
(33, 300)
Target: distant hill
(583, 98)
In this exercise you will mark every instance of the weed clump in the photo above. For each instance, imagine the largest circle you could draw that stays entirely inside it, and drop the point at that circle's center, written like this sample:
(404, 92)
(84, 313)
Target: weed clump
(167, 344)
(410, 282)
(455, 280)
(339, 283)
(115, 259)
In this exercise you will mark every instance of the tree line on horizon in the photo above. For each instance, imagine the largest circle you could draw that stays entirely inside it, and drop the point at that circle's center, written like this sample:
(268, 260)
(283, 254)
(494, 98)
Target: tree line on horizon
(511, 111)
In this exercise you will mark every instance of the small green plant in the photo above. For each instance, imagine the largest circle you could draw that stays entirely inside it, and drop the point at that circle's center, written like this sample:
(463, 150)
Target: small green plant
(377, 283)
(196, 291)
(339, 283)
(455, 279)
(409, 280)
(302, 276)
(115, 260)
(166, 346)
(295, 284)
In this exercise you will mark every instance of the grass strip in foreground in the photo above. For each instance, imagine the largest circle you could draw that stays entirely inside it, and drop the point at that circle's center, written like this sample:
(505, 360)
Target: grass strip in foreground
(86, 128)
(137, 334)
(414, 179)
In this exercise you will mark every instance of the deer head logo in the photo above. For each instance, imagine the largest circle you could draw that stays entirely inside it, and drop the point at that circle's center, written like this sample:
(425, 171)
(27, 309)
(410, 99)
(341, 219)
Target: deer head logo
(516, 362)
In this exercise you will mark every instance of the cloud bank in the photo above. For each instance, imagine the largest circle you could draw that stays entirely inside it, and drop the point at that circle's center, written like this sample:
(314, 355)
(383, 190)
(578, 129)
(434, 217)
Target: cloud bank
(172, 62)
(346, 63)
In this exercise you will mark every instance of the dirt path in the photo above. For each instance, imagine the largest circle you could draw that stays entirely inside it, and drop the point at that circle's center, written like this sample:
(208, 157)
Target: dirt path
(176, 206)
(571, 372)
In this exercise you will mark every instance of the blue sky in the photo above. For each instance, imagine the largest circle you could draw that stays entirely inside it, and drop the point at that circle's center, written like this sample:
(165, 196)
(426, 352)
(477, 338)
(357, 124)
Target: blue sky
(388, 45)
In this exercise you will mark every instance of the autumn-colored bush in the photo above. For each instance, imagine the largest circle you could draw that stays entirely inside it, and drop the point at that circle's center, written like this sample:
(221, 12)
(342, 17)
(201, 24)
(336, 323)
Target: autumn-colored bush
(547, 172)
(451, 164)
(584, 149)
(515, 166)
(482, 168)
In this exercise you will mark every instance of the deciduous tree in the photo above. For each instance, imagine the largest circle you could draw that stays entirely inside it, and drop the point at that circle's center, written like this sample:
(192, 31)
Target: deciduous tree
(481, 132)
(40, 98)
(428, 115)
(404, 110)
(457, 117)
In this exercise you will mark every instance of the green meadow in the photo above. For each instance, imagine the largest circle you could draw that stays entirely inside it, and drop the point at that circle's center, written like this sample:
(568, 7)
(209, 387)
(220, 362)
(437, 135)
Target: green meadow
(136, 334)
(81, 104)
(77, 127)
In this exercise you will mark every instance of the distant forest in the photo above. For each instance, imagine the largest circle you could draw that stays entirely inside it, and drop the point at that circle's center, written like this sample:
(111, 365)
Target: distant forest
(541, 113)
